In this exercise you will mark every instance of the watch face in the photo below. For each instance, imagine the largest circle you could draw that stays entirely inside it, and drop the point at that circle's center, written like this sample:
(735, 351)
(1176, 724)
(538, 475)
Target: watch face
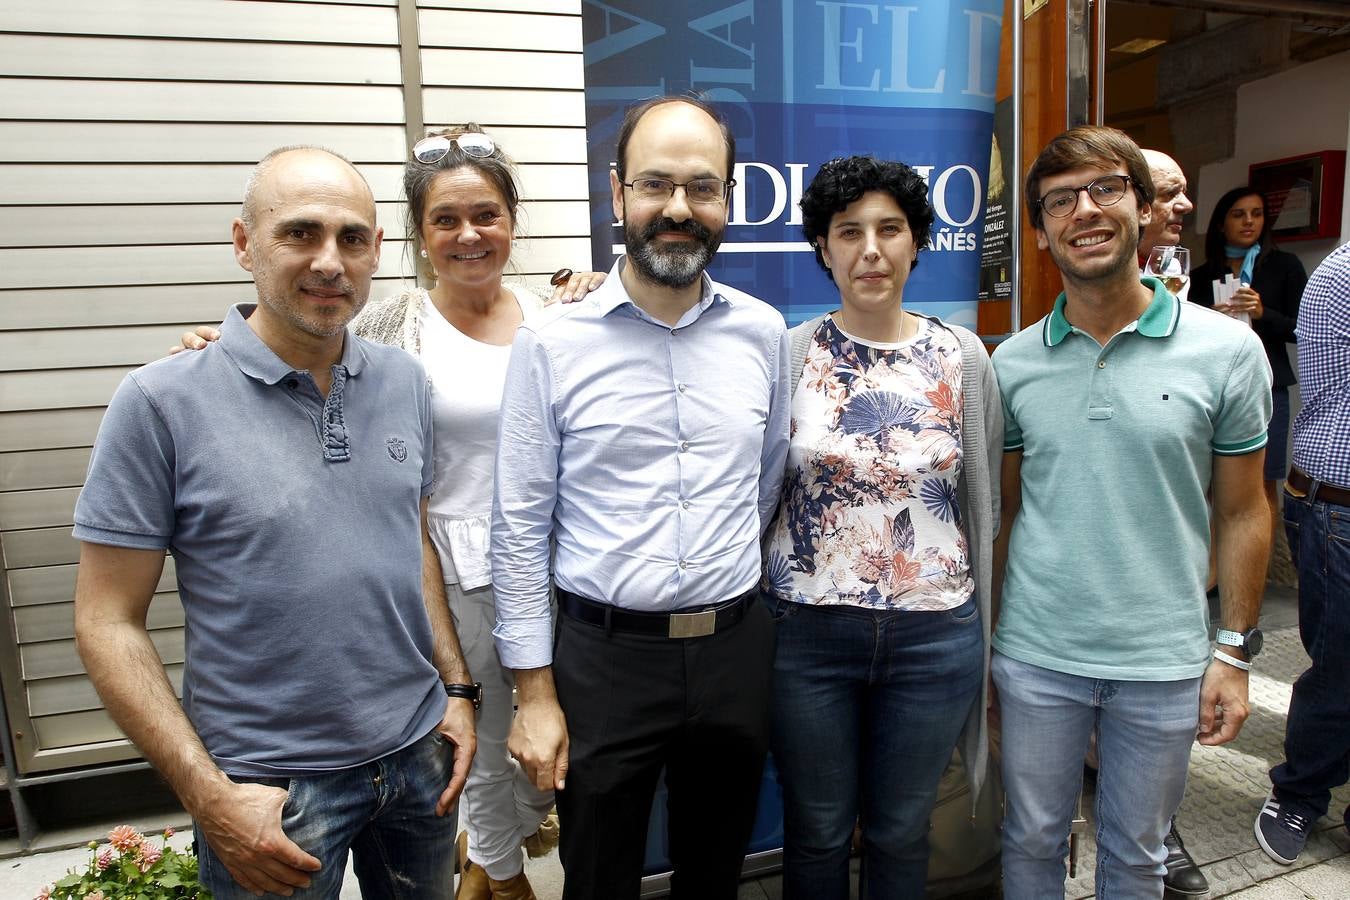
(1254, 642)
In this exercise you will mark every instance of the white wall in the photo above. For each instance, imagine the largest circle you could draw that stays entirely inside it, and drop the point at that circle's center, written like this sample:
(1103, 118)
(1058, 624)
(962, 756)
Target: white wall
(1301, 110)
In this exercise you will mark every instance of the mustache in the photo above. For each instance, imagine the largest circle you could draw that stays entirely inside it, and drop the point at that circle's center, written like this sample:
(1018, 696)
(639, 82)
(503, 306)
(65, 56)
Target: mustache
(688, 226)
(320, 284)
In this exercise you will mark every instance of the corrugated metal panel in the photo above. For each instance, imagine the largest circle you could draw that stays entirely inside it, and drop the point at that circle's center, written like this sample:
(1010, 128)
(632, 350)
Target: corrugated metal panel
(127, 131)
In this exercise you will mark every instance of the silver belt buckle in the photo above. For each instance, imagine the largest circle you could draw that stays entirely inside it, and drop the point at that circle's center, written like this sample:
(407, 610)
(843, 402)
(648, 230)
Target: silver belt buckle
(687, 625)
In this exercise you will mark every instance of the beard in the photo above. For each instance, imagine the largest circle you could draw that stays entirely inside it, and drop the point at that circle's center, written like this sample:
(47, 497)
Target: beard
(671, 264)
(318, 322)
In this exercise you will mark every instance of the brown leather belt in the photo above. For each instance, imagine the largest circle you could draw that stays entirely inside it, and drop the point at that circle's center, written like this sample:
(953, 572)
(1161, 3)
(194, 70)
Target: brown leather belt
(1301, 484)
(684, 624)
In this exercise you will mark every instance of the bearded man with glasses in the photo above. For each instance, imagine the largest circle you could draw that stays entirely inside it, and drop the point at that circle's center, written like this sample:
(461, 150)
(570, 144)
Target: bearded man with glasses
(1123, 407)
(642, 443)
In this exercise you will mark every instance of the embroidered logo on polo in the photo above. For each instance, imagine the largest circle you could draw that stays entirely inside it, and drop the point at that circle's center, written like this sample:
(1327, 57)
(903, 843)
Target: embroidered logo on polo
(398, 450)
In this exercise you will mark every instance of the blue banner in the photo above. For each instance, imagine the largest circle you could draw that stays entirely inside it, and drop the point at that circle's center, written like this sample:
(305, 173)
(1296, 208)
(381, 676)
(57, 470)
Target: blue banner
(801, 82)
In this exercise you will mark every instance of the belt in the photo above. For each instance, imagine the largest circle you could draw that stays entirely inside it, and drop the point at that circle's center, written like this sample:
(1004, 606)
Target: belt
(699, 622)
(1301, 485)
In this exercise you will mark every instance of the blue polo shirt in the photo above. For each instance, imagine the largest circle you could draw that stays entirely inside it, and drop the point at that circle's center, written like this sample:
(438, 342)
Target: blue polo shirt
(1108, 554)
(294, 524)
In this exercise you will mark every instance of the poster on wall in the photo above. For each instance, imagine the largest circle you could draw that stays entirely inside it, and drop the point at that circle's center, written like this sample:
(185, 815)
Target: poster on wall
(801, 82)
(996, 250)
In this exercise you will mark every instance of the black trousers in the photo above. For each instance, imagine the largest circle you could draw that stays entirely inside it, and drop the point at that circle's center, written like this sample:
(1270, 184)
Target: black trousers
(698, 707)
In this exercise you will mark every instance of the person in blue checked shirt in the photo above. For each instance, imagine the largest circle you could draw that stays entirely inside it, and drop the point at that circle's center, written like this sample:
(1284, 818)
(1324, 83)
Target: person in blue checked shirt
(1123, 407)
(642, 442)
(1317, 520)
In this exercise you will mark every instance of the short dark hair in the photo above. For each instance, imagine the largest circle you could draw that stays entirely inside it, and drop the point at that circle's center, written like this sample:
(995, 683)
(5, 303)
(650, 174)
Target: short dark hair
(844, 180)
(635, 114)
(1088, 145)
(418, 176)
(1215, 243)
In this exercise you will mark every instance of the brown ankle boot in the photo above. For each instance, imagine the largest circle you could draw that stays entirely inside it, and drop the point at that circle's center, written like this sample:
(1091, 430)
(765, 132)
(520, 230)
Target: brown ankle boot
(516, 888)
(473, 881)
(542, 842)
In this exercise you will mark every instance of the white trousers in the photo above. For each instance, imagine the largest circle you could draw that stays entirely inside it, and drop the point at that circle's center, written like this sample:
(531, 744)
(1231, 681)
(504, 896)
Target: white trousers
(500, 807)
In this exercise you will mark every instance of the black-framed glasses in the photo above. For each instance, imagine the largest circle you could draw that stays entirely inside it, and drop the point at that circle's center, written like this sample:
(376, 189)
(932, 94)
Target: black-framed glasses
(699, 190)
(1106, 190)
(471, 143)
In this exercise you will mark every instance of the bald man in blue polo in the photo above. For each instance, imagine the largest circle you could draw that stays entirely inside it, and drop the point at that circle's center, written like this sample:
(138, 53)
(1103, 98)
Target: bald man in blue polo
(1124, 407)
(326, 704)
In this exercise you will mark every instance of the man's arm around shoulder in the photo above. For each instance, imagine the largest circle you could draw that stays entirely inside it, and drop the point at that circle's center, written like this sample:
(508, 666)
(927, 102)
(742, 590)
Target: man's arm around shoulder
(241, 822)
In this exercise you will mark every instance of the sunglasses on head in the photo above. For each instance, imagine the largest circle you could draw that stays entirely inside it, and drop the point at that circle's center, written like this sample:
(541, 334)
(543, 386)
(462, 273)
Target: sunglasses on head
(433, 149)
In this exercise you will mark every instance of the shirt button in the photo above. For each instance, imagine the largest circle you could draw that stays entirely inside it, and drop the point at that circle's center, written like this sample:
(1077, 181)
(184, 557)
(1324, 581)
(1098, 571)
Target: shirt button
(683, 564)
(686, 504)
(684, 445)
(681, 387)
(1101, 364)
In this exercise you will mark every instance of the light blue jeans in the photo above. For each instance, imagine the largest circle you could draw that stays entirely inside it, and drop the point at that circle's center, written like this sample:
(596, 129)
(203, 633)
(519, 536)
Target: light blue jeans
(1145, 730)
(383, 812)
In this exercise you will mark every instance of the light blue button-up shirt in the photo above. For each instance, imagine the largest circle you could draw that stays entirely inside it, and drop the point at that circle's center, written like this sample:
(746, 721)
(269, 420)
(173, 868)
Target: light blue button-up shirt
(651, 454)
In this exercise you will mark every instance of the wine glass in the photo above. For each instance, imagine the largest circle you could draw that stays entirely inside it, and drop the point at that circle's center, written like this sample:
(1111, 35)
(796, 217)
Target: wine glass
(1171, 266)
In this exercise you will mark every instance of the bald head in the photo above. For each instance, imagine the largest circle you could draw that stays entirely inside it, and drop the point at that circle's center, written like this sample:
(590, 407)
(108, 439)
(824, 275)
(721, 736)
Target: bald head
(1170, 203)
(305, 154)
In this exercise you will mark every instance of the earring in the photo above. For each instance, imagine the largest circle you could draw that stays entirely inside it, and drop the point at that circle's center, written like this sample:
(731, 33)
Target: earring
(423, 252)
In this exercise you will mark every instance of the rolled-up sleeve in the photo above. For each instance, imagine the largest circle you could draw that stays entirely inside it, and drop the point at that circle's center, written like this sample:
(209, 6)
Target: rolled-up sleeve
(522, 508)
(773, 457)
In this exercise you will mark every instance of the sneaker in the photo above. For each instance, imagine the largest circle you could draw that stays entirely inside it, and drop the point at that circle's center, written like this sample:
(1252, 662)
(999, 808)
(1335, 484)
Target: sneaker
(1281, 832)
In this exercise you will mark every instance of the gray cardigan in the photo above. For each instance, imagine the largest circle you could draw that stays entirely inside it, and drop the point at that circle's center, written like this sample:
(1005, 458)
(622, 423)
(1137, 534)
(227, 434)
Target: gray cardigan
(977, 495)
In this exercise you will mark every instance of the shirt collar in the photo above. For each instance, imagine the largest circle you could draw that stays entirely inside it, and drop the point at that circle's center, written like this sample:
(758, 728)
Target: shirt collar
(257, 360)
(1158, 320)
(612, 294)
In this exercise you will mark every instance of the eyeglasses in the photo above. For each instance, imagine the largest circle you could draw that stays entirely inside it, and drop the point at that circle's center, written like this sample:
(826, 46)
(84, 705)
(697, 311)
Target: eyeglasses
(471, 143)
(1104, 191)
(700, 190)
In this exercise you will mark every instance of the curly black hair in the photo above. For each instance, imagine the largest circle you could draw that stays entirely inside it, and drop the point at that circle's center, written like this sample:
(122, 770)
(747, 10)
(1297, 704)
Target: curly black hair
(845, 179)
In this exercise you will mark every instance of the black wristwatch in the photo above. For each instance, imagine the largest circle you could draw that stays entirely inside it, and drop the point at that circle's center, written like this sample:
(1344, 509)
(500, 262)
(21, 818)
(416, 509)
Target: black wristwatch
(1249, 641)
(471, 692)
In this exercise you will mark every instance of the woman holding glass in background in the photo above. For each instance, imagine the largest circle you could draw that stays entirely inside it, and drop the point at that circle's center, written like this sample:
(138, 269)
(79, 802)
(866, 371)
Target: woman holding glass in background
(1239, 242)
(878, 564)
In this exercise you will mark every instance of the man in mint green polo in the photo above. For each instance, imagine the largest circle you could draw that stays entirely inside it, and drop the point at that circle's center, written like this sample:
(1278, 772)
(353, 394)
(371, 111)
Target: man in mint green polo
(1124, 408)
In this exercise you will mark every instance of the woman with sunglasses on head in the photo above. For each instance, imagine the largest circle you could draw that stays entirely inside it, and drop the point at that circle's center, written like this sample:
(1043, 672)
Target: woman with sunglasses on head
(878, 566)
(463, 214)
(1239, 242)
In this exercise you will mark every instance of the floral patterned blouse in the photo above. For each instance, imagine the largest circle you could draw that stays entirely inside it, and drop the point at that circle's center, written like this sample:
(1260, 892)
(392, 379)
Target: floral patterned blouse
(869, 514)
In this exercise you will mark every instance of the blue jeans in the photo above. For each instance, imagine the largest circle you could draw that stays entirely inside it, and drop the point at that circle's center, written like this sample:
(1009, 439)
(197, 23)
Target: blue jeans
(383, 811)
(1145, 730)
(1317, 736)
(866, 709)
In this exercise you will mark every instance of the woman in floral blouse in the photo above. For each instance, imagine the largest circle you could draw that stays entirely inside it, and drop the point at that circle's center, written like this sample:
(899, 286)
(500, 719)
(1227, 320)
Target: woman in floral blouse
(878, 565)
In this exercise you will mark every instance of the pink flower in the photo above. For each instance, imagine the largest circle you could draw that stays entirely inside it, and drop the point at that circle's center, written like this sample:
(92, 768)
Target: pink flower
(45, 893)
(96, 895)
(105, 859)
(125, 838)
(150, 855)
(168, 833)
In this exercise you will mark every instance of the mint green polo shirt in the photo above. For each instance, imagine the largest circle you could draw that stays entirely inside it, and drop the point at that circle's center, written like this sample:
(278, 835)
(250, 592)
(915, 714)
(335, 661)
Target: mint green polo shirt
(1109, 551)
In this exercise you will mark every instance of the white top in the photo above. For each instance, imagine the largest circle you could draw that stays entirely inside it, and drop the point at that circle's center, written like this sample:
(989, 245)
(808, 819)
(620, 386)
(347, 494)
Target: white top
(467, 377)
